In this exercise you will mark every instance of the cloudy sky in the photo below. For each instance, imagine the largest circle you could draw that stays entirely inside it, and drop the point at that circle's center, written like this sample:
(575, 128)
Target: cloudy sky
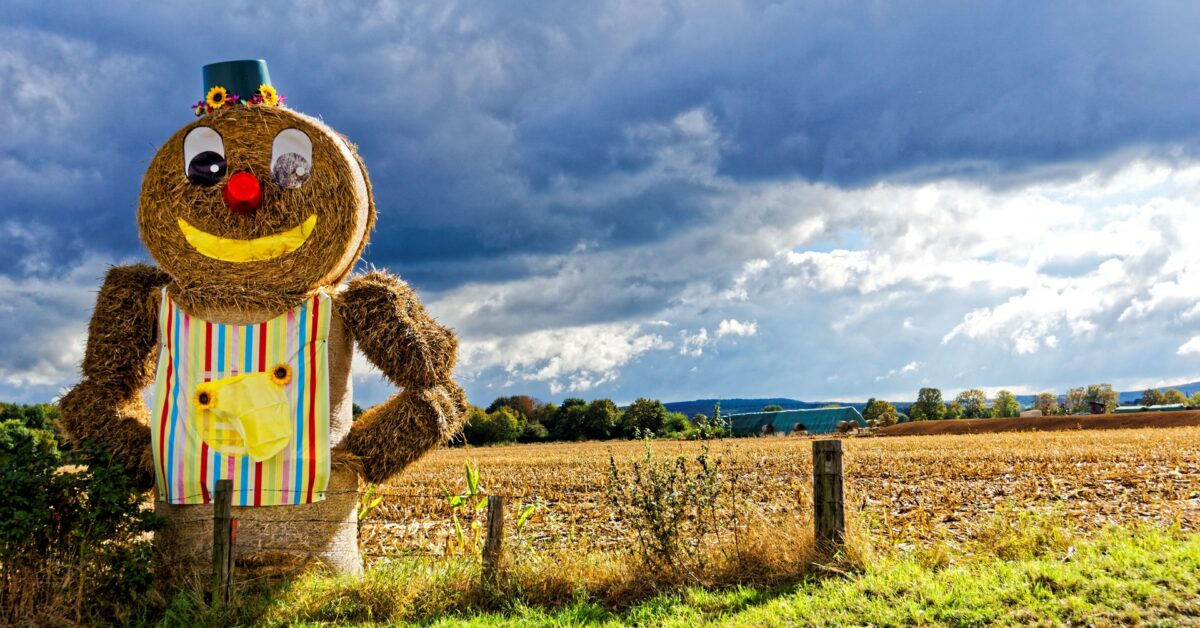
(818, 200)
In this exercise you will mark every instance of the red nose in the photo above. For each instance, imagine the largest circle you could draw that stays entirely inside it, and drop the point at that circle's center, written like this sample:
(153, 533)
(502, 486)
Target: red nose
(243, 193)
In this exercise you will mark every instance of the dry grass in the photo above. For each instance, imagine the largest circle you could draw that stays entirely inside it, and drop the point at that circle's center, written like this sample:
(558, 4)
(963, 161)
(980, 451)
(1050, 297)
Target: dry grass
(904, 490)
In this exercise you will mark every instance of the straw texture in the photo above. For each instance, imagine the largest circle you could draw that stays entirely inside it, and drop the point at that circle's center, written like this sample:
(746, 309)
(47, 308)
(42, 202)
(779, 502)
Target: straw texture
(396, 334)
(106, 406)
(378, 311)
(336, 191)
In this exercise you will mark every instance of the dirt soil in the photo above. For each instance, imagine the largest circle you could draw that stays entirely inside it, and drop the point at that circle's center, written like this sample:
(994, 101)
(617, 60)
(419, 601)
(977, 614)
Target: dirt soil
(1182, 418)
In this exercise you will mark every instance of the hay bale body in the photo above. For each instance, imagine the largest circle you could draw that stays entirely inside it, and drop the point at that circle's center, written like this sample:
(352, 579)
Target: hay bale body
(378, 310)
(416, 353)
(271, 541)
(278, 540)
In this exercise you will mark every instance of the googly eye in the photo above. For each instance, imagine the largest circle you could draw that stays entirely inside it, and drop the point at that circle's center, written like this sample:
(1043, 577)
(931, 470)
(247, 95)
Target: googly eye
(291, 158)
(203, 156)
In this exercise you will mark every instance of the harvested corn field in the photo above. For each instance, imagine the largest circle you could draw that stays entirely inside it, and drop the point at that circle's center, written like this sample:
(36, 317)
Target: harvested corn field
(904, 489)
(1133, 420)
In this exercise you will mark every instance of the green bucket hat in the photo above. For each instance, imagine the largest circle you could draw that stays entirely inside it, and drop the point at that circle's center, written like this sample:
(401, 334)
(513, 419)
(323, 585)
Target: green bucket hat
(242, 82)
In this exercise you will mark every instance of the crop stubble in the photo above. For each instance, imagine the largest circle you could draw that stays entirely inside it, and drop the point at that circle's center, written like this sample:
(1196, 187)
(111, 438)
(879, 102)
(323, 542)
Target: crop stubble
(907, 489)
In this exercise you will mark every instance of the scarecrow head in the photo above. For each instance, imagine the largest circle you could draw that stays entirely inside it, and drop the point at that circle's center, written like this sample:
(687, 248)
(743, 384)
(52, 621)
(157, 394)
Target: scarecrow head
(253, 204)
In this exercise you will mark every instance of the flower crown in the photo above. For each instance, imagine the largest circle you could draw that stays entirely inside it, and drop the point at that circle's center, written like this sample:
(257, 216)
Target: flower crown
(219, 98)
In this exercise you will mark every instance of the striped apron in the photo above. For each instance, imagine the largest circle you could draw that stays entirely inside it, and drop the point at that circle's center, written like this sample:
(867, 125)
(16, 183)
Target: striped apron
(248, 403)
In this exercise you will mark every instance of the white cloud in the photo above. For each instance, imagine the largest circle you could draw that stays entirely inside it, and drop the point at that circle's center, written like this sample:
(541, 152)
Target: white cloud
(734, 327)
(568, 359)
(1191, 346)
(1050, 268)
(44, 327)
(693, 343)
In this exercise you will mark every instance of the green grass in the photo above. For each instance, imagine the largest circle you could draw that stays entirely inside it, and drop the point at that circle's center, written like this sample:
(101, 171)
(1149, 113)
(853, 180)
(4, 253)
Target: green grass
(1140, 575)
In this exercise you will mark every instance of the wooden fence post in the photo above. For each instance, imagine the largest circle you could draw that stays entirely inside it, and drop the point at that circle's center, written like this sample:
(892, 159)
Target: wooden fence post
(493, 549)
(829, 516)
(222, 557)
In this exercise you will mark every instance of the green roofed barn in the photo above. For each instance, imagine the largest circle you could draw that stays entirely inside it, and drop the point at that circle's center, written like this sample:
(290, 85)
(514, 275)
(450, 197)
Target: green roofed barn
(817, 421)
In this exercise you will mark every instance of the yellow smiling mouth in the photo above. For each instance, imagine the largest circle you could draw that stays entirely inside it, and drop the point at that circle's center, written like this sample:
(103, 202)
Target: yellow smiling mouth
(254, 250)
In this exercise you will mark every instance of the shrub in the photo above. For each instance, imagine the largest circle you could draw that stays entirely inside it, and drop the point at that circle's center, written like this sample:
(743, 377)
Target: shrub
(534, 432)
(677, 426)
(72, 539)
(673, 506)
(500, 426)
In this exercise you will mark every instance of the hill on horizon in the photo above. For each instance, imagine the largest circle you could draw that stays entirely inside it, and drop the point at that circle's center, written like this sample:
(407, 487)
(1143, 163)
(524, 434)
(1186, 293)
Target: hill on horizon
(739, 405)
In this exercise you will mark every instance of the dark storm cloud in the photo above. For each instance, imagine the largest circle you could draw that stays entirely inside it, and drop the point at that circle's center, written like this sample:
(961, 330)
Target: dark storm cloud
(470, 117)
(607, 175)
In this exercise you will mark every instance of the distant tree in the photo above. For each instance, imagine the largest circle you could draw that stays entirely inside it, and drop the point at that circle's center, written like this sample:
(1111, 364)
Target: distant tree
(699, 417)
(546, 414)
(1102, 394)
(973, 403)
(646, 415)
(928, 406)
(710, 428)
(570, 420)
(601, 419)
(523, 405)
(355, 411)
(1194, 401)
(954, 410)
(533, 432)
(1174, 395)
(881, 412)
(501, 426)
(35, 416)
(677, 425)
(506, 425)
(1006, 405)
(1151, 397)
(1047, 403)
(1075, 401)
(772, 408)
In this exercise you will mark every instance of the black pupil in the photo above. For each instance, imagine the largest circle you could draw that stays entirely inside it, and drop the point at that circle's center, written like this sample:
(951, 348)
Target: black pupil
(200, 171)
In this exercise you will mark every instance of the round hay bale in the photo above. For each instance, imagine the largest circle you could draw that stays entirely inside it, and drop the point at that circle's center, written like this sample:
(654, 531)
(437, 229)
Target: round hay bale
(336, 192)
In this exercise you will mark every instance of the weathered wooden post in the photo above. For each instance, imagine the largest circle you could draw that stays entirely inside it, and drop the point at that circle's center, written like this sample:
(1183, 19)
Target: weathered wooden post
(222, 556)
(493, 548)
(829, 515)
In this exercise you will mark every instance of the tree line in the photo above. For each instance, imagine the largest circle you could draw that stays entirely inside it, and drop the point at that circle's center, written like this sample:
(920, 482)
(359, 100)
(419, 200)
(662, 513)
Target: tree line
(523, 419)
(975, 404)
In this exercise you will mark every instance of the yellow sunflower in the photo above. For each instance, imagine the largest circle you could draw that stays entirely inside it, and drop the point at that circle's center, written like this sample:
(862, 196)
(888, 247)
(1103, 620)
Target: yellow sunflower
(269, 95)
(281, 374)
(206, 398)
(216, 97)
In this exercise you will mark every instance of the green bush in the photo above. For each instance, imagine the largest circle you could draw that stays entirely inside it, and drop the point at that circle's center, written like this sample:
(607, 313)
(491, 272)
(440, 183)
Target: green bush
(500, 426)
(674, 506)
(73, 544)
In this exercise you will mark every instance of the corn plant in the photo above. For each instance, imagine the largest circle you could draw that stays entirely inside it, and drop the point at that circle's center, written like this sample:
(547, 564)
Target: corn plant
(463, 505)
(368, 503)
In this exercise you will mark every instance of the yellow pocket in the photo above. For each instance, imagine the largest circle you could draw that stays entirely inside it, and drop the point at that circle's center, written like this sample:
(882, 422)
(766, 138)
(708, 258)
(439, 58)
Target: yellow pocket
(245, 415)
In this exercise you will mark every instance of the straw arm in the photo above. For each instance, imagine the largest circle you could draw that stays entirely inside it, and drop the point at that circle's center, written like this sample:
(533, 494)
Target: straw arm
(398, 336)
(106, 406)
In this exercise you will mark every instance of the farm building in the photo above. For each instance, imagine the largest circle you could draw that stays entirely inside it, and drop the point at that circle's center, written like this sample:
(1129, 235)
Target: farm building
(1170, 407)
(817, 421)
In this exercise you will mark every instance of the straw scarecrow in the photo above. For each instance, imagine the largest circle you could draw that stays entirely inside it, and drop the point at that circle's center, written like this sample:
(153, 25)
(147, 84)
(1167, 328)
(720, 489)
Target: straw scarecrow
(255, 215)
